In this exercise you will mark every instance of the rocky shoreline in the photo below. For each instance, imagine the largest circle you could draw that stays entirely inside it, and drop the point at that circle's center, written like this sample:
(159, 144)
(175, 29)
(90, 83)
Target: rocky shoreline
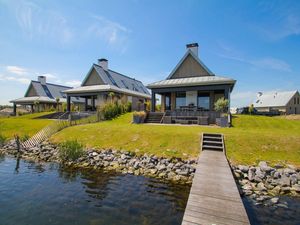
(263, 183)
(175, 169)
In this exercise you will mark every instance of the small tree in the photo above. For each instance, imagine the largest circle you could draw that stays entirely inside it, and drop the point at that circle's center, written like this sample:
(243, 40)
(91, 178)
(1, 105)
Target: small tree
(111, 95)
(57, 104)
(221, 105)
(37, 105)
(251, 109)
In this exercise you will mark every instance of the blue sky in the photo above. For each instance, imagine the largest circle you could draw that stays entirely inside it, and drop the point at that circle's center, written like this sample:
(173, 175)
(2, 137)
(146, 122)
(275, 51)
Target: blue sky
(255, 42)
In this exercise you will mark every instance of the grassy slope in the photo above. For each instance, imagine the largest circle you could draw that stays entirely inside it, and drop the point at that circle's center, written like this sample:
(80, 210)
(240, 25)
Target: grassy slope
(252, 138)
(22, 125)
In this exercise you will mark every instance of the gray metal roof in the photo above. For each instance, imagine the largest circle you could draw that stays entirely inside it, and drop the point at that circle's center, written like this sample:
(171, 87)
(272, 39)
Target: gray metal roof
(192, 81)
(273, 99)
(106, 88)
(121, 81)
(44, 99)
(47, 94)
(55, 91)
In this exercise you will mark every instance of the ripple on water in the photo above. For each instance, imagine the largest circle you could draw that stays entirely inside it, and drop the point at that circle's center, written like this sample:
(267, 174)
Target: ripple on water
(38, 193)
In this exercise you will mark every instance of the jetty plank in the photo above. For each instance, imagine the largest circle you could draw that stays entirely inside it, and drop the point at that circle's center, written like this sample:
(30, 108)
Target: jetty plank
(214, 197)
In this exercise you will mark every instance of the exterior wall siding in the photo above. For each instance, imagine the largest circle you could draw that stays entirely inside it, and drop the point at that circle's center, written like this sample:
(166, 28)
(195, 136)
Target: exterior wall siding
(93, 79)
(293, 106)
(31, 92)
(190, 68)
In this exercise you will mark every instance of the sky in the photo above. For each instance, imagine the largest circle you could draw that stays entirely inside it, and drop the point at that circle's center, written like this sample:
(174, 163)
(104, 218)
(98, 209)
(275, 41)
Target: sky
(255, 42)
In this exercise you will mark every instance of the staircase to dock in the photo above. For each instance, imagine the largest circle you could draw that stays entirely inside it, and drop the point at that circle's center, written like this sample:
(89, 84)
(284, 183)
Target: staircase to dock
(154, 117)
(212, 142)
(214, 197)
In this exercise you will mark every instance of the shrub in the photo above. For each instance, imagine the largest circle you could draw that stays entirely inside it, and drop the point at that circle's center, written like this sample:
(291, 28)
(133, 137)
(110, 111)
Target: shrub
(221, 105)
(70, 150)
(24, 138)
(111, 110)
(158, 107)
(139, 116)
(2, 140)
(251, 109)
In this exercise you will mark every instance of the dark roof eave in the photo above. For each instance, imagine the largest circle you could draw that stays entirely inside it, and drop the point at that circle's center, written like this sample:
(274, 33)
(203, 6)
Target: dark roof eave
(191, 85)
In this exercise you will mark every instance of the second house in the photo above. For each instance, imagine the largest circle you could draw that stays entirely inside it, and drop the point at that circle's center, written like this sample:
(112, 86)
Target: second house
(101, 83)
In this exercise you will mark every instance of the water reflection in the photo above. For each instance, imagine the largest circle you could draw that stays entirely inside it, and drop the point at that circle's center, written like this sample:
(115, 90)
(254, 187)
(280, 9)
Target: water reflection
(41, 193)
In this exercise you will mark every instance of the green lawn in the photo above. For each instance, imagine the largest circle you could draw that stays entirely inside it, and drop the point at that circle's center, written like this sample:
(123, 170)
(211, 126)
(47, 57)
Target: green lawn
(252, 138)
(22, 125)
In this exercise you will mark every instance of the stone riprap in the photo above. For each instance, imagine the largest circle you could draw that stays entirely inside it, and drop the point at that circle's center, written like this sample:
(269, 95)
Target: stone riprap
(263, 183)
(174, 169)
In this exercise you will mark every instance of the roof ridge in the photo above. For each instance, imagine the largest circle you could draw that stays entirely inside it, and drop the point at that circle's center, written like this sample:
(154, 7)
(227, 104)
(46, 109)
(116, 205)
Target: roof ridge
(51, 84)
(120, 73)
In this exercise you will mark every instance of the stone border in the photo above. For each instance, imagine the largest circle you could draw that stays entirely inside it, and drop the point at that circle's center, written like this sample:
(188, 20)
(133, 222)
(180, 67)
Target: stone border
(263, 183)
(174, 169)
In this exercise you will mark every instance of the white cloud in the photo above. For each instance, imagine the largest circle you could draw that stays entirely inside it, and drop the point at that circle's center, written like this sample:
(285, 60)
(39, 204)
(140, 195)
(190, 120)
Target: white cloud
(241, 99)
(12, 78)
(73, 83)
(283, 20)
(24, 76)
(17, 70)
(271, 63)
(41, 23)
(264, 62)
(113, 33)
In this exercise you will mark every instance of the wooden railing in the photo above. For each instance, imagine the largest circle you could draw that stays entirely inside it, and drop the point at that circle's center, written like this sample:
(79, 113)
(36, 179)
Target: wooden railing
(55, 127)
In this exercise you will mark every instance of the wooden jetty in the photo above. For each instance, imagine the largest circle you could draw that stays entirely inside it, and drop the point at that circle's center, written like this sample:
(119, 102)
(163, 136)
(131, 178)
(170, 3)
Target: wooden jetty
(214, 197)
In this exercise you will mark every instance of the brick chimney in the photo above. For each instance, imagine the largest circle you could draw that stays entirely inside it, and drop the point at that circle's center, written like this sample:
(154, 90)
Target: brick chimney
(193, 47)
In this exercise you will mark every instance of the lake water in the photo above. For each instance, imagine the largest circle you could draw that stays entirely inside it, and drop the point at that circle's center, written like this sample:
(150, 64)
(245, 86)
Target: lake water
(44, 193)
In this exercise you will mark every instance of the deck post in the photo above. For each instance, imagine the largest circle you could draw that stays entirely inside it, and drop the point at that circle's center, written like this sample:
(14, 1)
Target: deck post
(15, 109)
(68, 103)
(32, 109)
(93, 103)
(85, 104)
(153, 101)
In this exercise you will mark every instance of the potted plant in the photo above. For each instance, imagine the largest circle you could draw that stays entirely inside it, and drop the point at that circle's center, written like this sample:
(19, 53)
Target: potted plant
(138, 117)
(221, 105)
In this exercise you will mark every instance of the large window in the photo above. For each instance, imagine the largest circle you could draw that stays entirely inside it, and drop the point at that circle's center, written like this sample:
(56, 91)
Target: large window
(203, 101)
(168, 102)
(180, 99)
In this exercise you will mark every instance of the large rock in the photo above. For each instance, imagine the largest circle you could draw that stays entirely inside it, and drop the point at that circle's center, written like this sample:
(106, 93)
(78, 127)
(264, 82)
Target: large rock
(264, 167)
(284, 181)
(261, 187)
(251, 173)
(244, 169)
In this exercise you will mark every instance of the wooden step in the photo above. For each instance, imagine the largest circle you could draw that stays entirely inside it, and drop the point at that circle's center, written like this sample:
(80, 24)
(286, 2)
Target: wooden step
(212, 135)
(213, 142)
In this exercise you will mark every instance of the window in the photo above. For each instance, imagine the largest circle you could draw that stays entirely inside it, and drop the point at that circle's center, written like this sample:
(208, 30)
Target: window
(124, 84)
(295, 101)
(168, 102)
(180, 99)
(134, 87)
(203, 101)
(298, 100)
(111, 79)
(47, 91)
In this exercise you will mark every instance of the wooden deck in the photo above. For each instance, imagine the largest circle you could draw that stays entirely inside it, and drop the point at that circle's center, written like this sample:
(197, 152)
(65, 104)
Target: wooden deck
(214, 197)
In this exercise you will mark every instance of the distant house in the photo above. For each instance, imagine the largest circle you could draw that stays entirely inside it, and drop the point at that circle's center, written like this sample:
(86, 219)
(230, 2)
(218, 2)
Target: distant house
(192, 88)
(41, 96)
(286, 102)
(100, 82)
